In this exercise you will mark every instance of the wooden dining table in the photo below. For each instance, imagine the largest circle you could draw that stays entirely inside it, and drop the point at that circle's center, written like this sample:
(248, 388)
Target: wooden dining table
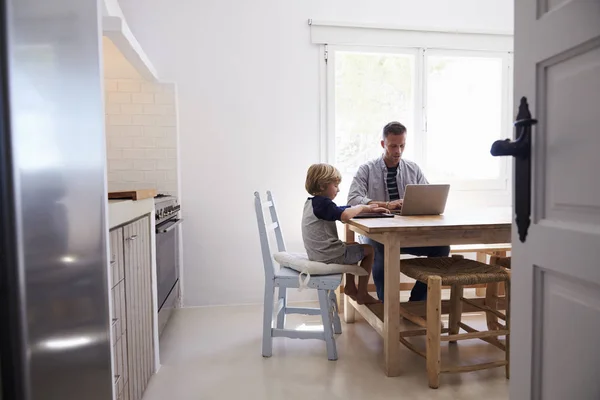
(473, 226)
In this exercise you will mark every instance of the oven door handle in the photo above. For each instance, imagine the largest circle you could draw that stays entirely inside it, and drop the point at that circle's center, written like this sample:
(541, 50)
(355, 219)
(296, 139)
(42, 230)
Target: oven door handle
(171, 227)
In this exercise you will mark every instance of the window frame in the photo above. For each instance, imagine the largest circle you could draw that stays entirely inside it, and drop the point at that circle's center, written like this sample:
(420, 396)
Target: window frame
(502, 184)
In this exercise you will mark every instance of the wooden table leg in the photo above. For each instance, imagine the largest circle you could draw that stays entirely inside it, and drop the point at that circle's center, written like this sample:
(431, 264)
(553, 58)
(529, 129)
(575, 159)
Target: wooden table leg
(346, 307)
(349, 311)
(391, 306)
(339, 294)
(342, 301)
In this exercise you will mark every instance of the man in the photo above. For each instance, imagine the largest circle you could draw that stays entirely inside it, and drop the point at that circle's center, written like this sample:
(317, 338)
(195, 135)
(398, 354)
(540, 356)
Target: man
(383, 182)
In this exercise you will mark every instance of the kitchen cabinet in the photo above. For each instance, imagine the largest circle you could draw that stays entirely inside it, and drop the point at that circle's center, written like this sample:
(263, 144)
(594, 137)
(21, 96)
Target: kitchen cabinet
(132, 311)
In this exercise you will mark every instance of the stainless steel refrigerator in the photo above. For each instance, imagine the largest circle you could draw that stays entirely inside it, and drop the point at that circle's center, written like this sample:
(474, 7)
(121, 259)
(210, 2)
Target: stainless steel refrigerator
(54, 307)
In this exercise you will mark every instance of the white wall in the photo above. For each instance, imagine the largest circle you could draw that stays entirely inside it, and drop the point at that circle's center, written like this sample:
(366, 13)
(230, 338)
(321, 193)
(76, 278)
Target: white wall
(141, 132)
(248, 102)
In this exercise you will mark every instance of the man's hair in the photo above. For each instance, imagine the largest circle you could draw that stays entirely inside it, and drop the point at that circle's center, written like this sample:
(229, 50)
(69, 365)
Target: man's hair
(393, 128)
(319, 176)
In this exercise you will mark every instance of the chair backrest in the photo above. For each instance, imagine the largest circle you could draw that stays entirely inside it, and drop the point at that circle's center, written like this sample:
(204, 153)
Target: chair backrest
(264, 228)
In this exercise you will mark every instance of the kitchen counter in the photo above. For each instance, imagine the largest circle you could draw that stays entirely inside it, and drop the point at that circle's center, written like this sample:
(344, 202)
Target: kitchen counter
(123, 211)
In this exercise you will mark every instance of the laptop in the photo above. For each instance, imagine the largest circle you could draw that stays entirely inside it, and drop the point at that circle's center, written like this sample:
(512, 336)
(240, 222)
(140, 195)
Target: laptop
(424, 200)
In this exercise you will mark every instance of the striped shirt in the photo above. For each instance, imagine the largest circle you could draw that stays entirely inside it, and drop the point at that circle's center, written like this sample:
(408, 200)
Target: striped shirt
(370, 181)
(392, 184)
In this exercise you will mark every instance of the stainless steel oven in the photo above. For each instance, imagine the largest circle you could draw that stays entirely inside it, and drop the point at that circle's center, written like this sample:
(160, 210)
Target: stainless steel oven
(167, 257)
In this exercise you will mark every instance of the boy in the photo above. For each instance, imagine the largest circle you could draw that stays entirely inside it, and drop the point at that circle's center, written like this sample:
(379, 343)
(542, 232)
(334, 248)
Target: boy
(319, 230)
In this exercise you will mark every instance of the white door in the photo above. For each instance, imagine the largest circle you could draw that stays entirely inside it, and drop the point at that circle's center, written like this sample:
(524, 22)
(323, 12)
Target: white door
(555, 339)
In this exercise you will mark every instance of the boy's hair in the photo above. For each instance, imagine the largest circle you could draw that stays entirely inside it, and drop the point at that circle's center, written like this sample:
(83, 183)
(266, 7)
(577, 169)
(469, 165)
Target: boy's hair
(393, 128)
(319, 176)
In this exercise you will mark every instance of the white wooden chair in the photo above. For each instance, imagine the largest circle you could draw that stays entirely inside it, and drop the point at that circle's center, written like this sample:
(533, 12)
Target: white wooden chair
(286, 278)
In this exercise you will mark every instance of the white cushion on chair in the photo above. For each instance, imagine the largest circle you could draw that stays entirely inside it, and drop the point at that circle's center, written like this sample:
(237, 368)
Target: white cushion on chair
(301, 263)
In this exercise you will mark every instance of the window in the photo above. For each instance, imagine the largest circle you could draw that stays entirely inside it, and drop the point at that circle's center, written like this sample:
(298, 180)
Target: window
(454, 103)
(370, 87)
(463, 105)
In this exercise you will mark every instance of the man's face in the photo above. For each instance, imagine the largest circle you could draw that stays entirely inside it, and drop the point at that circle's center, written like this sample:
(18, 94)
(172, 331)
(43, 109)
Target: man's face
(394, 147)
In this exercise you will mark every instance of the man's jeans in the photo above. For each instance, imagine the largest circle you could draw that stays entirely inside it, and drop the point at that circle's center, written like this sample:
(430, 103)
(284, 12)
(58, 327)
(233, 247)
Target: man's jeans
(419, 291)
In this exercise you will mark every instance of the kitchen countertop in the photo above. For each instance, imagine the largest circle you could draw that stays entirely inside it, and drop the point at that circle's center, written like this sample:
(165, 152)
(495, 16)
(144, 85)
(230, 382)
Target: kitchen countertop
(123, 211)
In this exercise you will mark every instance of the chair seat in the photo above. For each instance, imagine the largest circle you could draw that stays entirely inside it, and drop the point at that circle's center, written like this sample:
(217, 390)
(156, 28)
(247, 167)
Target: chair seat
(301, 263)
(453, 270)
(288, 277)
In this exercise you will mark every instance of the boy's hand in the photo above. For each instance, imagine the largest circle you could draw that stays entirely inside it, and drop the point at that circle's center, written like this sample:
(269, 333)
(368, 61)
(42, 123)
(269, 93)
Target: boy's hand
(382, 210)
(374, 208)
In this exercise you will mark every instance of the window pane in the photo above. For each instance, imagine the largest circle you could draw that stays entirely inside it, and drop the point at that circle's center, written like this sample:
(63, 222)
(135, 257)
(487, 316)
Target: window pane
(371, 90)
(464, 117)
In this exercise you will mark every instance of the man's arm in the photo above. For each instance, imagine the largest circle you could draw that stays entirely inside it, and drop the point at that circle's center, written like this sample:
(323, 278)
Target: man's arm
(358, 189)
(421, 180)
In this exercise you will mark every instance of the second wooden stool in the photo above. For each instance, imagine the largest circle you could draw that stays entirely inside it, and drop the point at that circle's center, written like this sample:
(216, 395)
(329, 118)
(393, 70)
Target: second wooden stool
(456, 272)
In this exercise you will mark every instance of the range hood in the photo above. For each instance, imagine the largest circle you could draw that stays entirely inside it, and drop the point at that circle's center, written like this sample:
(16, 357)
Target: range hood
(114, 27)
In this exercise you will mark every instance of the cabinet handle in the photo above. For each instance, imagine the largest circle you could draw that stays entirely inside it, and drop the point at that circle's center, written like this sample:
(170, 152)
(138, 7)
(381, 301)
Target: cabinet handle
(133, 237)
(114, 320)
(113, 262)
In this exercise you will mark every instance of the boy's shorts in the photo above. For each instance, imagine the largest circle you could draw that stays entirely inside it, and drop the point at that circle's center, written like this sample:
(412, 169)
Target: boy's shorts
(353, 254)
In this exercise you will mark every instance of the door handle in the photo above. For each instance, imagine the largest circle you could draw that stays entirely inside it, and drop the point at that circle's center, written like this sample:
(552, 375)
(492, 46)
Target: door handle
(520, 149)
(171, 227)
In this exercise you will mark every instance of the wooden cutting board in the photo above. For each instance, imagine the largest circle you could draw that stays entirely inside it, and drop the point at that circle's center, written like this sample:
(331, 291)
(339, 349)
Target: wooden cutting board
(133, 194)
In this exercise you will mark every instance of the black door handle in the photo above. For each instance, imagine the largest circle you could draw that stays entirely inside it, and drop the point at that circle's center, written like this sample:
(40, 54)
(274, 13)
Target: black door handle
(521, 150)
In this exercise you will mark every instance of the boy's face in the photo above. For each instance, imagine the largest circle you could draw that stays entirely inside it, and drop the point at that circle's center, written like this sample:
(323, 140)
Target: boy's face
(332, 190)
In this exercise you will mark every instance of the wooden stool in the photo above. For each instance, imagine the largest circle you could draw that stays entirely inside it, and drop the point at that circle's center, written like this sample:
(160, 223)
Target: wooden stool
(494, 292)
(457, 272)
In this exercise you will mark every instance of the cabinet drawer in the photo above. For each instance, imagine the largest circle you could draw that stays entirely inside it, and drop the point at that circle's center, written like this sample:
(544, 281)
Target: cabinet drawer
(118, 366)
(125, 371)
(119, 318)
(117, 267)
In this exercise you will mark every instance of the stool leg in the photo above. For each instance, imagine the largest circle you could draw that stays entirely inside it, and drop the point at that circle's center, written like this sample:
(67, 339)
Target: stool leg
(507, 299)
(501, 289)
(434, 317)
(491, 300)
(482, 258)
(456, 293)
(348, 310)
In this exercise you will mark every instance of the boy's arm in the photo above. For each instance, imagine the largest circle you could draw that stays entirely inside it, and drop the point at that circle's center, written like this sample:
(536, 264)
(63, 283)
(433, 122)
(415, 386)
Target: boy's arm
(352, 212)
(326, 209)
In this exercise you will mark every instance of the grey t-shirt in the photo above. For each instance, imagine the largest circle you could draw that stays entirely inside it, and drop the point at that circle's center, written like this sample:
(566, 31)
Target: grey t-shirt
(319, 231)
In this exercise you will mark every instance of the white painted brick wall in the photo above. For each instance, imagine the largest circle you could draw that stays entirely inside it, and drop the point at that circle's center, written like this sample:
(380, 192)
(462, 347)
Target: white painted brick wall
(141, 135)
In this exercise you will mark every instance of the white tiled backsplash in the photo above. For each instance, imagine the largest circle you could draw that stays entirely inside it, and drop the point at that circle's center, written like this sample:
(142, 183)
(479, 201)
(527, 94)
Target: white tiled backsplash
(141, 135)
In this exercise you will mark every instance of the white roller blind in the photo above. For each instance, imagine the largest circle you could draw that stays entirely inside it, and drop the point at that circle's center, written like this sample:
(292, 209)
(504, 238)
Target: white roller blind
(336, 33)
